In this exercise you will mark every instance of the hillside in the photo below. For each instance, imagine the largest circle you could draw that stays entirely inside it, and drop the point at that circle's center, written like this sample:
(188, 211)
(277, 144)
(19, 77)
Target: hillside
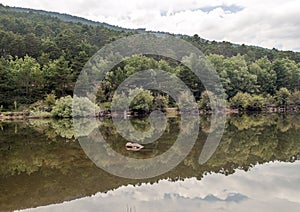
(70, 18)
(43, 52)
(23, 16)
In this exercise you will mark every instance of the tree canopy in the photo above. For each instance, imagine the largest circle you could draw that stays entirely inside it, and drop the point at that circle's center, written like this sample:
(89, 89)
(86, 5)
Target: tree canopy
(43, 53)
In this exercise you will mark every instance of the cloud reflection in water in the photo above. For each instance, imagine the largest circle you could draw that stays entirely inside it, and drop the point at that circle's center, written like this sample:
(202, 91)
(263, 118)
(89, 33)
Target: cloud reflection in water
(268, 187)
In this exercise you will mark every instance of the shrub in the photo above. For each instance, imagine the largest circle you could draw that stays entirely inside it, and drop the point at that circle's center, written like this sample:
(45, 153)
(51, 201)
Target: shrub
(83, 107)
(282, 97)
(143, 102)
(256, 103)
(187, 101)
(63, 107)
(50, 99)
(294, 98)
(160, 102)
(204, 102)
(240, 101)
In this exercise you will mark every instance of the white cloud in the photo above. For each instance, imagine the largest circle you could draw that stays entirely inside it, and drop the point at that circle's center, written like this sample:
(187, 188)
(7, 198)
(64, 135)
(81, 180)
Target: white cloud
(268, 23)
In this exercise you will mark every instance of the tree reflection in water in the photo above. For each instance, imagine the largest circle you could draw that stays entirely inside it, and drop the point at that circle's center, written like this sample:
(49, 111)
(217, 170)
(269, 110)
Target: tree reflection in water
(42, 162)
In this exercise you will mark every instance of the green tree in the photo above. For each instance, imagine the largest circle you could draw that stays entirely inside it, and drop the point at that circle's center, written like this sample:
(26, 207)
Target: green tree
(294, 99)
(160, 102)
(240, 101)
(63, 107)
(49, 46)
(32, 45)
(187, 101)
(256, 103)
(266, 76)
(270, 101)
(189, 77)
(7, 86)
(28, 78)
(241, 80)
(84, 107)
(282, 97)
(204, 102)
(50, 99)
(143, 102)
(78, 63)
(59, 77)
(283, 73)
(294, 83)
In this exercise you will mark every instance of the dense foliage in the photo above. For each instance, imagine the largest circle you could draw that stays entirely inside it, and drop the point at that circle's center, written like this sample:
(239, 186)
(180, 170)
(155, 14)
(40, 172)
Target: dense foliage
(42, 54)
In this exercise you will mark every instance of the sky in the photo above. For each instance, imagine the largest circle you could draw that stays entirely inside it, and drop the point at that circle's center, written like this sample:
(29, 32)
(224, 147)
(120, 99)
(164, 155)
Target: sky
(267, 23)
(268, 187)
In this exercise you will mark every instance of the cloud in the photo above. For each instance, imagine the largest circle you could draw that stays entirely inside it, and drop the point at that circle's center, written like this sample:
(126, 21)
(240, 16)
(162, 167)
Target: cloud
(268, 187)
(269, 23)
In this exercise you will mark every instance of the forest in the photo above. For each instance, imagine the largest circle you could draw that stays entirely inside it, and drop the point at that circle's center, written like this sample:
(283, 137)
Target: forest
(41, 56)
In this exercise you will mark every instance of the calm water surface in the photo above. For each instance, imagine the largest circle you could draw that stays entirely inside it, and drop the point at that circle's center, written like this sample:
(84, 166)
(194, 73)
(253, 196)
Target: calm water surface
(255, 167)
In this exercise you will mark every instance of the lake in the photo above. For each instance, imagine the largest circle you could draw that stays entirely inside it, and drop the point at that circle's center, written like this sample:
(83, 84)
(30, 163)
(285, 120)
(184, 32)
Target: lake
(256, 166)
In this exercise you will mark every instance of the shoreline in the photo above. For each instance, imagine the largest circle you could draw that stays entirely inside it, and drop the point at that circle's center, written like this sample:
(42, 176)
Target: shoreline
(169, 113)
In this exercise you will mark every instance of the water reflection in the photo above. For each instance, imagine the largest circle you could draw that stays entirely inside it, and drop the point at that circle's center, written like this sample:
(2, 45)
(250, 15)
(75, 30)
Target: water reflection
(104, 156)
(42, 163)
(267, 187)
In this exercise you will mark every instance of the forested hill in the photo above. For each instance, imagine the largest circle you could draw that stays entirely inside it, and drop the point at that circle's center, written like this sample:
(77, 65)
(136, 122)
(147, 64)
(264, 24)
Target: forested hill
(43, 52)
(34, 32)
(70, 18)
(51, 26)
